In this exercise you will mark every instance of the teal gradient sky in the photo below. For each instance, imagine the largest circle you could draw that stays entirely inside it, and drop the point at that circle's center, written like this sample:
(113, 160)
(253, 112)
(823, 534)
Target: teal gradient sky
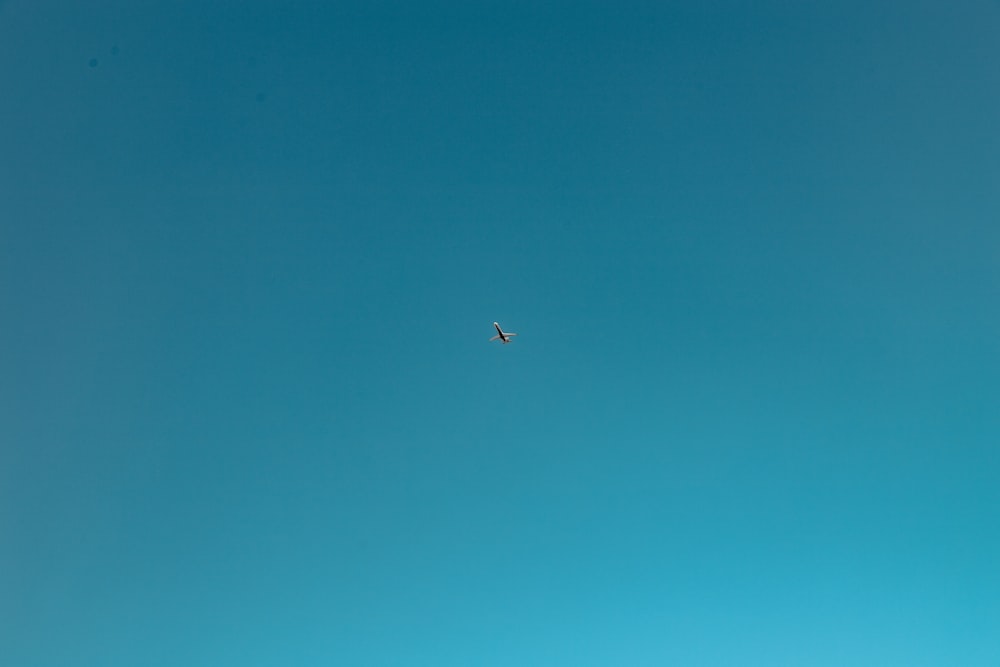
(250, 254)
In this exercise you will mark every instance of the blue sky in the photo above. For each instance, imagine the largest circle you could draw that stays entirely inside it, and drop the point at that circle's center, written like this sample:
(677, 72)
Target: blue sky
(250, 254)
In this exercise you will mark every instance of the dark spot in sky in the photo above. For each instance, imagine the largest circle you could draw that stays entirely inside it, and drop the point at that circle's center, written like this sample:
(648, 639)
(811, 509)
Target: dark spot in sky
(93, 62)
(114, 50)
(260, 97)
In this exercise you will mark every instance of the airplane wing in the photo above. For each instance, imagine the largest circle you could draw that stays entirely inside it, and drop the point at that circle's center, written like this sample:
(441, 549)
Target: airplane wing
(494, 338)
(507, 333)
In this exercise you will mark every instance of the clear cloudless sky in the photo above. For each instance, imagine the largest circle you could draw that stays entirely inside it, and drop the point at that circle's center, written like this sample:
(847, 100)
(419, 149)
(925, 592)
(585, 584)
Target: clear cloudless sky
(250, 257)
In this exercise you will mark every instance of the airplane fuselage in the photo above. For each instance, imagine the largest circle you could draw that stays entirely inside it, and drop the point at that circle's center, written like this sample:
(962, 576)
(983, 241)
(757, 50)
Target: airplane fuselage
(504, 338)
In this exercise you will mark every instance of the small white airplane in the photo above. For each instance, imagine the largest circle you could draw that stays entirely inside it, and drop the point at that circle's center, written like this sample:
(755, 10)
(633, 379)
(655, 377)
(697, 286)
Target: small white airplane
(502, 335)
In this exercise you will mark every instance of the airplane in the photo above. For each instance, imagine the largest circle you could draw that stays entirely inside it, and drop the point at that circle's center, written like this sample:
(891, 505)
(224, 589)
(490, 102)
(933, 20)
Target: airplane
(502, 335)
